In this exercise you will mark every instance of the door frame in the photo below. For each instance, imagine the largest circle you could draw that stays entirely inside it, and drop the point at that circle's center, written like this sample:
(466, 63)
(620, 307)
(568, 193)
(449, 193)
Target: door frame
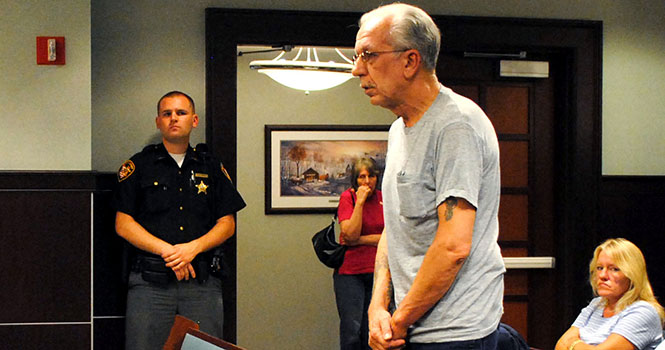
(579, 122)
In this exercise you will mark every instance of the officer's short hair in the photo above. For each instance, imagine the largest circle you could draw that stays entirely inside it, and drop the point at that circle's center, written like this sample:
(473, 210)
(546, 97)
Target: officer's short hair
(177, 93)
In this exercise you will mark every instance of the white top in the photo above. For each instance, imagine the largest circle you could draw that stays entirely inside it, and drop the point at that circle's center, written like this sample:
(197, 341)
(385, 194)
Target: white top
(639, 323)
(179, 158)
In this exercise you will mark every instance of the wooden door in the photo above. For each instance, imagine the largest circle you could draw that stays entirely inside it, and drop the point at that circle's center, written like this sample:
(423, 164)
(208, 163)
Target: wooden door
(522, 112)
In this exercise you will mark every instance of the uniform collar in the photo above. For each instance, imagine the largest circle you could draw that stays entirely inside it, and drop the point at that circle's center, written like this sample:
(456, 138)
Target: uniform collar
(163, 154)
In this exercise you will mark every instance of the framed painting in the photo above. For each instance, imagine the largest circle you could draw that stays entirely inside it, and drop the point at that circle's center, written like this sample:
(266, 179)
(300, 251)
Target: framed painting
(307, 167)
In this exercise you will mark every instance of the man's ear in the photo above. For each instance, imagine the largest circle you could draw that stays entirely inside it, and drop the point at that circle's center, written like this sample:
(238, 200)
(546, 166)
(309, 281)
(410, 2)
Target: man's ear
(412, 64)
(195, 120)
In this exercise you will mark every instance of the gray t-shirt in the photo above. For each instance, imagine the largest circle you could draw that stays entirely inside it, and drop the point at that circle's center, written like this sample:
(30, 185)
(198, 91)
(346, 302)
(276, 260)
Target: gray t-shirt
(451, 151)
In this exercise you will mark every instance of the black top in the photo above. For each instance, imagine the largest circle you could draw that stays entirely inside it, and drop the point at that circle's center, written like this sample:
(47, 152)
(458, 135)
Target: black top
(176, 204)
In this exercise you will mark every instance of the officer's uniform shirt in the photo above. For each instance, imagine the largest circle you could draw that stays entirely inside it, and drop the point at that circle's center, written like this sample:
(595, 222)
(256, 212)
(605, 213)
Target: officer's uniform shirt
(175, 204)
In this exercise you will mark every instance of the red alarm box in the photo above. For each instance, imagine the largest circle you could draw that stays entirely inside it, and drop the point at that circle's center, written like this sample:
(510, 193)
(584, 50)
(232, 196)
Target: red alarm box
(51, 50)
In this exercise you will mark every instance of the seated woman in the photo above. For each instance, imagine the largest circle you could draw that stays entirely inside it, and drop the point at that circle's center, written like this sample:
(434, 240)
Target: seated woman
(625, 315)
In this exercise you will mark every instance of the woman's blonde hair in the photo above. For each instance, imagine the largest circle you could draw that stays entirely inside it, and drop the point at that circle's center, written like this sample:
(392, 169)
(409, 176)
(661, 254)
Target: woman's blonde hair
(629, 259)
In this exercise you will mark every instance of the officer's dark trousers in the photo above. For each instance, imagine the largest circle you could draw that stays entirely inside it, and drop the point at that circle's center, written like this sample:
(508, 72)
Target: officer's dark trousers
(353, 294)
(151, 309)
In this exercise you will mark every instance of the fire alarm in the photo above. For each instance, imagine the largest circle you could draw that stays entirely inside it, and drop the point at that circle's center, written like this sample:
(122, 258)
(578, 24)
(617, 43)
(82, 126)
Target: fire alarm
(51, 50)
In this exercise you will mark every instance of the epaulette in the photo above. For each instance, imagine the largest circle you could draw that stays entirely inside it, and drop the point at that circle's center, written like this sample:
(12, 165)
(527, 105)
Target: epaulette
(150, 148)
(201, 150)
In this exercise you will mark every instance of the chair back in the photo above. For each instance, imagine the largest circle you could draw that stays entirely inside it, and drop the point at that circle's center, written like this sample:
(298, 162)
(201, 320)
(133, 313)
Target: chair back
(178, 330)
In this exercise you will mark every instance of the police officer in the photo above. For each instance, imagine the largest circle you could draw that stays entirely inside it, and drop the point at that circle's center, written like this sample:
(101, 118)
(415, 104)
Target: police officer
(175, 205)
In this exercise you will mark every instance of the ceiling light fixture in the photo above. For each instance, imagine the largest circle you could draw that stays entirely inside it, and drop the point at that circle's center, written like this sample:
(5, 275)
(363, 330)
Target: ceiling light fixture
(307, 75)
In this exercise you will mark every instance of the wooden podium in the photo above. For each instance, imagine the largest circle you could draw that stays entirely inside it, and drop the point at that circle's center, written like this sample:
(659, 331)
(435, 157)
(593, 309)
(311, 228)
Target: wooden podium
(185, 335)
(197, 340)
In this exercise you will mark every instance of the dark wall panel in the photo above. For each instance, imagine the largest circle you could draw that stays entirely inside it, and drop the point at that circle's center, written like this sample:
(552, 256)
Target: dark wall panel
(110, 286)
(45, 225)
(109, 254)
(52, 337)
(109, 334)
(46, 256)
(633, 207)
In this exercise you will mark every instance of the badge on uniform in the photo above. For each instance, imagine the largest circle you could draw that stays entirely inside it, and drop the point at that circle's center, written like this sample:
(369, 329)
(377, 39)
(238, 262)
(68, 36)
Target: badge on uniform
(126, 169)
(203, 188)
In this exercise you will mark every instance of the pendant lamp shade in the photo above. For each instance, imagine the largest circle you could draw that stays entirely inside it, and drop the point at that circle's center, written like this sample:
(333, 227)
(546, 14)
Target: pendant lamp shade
(307, 75)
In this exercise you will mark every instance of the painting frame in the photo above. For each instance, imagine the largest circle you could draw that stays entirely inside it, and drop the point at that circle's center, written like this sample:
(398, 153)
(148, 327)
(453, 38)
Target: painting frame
(275, 136)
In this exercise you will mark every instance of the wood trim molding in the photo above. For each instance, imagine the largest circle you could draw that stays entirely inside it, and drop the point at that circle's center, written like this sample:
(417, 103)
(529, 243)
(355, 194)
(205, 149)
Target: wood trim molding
(47, 180)
(618, 186)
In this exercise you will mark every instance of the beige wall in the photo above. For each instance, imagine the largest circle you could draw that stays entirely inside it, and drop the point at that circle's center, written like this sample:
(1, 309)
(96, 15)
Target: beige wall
(45, 117)
(142, 48)
(85, 116)
(122, 55)
(634, 88)
(284, 293)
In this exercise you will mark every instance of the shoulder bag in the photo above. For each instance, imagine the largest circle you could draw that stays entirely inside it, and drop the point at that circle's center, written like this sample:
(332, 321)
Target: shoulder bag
(327, 249)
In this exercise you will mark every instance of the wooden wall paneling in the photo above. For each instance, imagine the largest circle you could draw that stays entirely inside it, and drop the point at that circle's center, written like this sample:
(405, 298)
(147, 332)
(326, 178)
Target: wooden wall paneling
(514, 163)
(46, 235)
(508, 251)
(109, 333)
(469, 91)
(110, 289)
(516, 283)
(46, 227)
(52, 337)
(515, 315)
(512, 117)
(514, 217)
(58, 204)
(633, 207)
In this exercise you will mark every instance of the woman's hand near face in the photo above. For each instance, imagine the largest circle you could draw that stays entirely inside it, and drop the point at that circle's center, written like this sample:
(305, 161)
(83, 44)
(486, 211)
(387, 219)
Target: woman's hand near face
(352, 228)
(362, 193)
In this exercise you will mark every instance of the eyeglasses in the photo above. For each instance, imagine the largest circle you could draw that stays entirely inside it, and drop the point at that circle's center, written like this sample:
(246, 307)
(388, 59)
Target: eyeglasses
(367, 55)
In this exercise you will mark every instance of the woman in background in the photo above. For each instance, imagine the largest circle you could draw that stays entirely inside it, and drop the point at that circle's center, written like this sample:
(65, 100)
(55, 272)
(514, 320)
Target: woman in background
(360, 215)
(625, 313)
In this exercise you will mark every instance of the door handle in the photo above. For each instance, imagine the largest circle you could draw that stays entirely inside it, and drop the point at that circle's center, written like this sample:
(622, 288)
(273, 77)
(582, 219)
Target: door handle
(535, 262)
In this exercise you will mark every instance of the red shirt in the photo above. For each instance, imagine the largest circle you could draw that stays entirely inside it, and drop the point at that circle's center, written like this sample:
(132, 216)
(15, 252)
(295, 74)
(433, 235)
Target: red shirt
(360, 259)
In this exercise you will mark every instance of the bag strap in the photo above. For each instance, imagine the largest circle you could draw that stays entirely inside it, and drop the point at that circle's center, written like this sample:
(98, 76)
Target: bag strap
(353, 204)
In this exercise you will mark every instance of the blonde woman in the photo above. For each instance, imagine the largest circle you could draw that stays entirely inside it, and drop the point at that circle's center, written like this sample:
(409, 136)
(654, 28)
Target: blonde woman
(625, 314)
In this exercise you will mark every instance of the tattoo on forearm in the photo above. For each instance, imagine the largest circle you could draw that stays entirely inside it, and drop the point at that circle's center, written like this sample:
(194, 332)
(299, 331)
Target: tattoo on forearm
(451, 203)
(380, 267)
(381, 264)
(389, 293)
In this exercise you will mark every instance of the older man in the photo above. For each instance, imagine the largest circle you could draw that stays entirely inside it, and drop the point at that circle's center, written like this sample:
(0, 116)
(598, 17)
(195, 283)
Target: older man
(441, 194)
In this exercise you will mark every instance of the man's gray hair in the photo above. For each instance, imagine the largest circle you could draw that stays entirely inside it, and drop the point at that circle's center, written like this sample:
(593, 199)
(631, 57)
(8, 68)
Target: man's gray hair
(410, 28)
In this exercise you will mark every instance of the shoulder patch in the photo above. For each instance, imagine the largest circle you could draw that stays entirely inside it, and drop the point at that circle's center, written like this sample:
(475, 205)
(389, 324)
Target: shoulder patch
(126, 170)
(225, 172)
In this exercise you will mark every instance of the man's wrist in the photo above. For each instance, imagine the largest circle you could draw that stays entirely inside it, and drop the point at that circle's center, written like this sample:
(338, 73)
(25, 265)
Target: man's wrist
(374, 306)
(399, 319)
